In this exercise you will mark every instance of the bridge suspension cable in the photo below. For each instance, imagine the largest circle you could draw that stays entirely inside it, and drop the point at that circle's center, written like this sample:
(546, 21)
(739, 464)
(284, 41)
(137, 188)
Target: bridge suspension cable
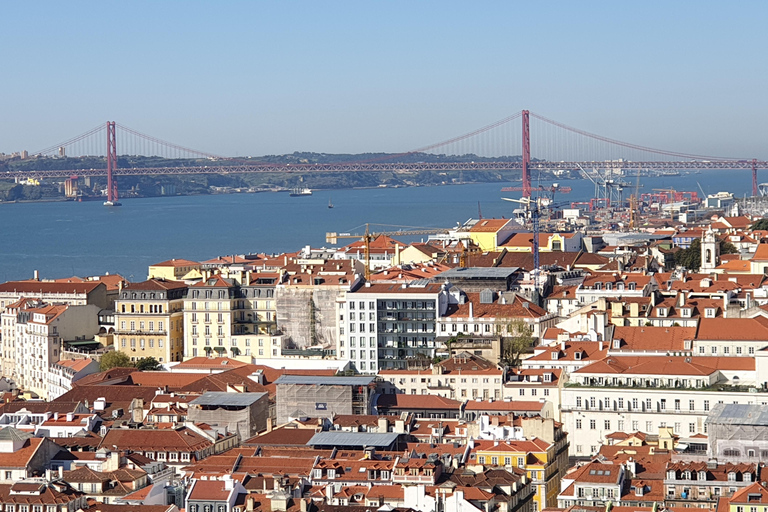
(167, 144)
(69, 142)
(628, 144)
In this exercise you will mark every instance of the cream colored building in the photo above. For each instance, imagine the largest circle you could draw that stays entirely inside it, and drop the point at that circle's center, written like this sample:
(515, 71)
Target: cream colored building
(175, 270)
(149, 320)
(227, 319)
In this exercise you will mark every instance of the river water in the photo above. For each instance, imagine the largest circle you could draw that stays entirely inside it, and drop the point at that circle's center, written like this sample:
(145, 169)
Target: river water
(62, 239)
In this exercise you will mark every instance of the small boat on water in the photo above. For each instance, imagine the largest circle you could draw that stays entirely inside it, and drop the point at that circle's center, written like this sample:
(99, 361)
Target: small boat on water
(330, 204)
(300, 192)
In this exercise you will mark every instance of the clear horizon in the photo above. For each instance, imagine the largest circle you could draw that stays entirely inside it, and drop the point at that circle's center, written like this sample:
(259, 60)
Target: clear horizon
(253, 78)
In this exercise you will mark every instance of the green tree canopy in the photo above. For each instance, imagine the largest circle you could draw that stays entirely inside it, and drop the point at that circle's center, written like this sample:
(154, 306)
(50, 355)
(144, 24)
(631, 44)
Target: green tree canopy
(760, 224)
(115, 359)
(516, 338)
(148, 364)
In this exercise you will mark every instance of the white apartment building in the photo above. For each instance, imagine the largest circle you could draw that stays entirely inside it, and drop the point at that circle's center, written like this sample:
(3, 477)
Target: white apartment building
(613, 286)
(39, 335)
(385, 326)
(62, 374)
(629, 394)
(461, 377)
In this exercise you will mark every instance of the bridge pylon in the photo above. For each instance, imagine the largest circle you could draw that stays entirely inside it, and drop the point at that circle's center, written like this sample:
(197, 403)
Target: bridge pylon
(526, 155)
(111, 166)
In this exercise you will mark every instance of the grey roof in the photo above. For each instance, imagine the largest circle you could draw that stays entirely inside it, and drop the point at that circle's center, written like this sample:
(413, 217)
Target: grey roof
(323, 380)
(339, 438)
(739, 414)
(477, 273)
(227, 399)
(13, 434)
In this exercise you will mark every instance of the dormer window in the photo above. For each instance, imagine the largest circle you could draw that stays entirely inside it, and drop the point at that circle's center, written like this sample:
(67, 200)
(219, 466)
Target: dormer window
(662, 312)
(577, 355)
(632, 286)
(702, 475)
(609, 286)
(555, 354)
(639, 490)
(709, 312)
(598, 286)
(686, 312)
(547, 377)
(732, 476)
(686, 475)
(617, 343)
(671, 474)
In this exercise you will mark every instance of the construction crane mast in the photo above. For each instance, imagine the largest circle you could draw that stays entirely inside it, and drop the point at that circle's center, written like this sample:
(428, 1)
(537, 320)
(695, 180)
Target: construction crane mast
(368, 236)
(532, 206)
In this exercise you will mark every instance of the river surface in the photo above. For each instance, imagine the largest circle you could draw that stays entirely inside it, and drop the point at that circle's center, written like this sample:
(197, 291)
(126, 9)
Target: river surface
(62, 239)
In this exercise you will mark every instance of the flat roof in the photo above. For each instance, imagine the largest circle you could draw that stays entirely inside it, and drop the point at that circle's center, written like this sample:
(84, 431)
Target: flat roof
(321, 380)
(224, 398)
(361, 439)
(478, 273)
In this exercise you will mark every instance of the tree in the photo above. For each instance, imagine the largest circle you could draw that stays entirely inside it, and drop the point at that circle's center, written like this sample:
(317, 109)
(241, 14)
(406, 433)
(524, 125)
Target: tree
(690, 258)
(115, 359)
(516, 337)
(148, 364)
(761, 224)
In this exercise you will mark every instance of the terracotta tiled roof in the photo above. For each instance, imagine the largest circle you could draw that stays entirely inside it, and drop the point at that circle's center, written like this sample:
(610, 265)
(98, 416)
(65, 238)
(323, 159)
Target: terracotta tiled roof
(516, 308)
(46, 287)
(178, 440)
(209, 490)
(176, 263)
(741, 329)
(489, 225)
(156, 284)
(752, 494)
(653, 338)
(667, 365)
(532, 445)
(402, 401)
(503, 406)
(75, 364)
(22, 457)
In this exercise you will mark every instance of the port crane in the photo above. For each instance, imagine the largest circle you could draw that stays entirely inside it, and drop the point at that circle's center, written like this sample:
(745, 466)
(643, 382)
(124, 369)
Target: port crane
(552, 189)
(368, 236)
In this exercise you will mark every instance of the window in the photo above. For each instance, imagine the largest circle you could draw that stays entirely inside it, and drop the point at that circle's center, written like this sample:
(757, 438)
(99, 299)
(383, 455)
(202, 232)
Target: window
(607, 424)
(592, 424)
(692, 428)
(706, 405)
(578, 424)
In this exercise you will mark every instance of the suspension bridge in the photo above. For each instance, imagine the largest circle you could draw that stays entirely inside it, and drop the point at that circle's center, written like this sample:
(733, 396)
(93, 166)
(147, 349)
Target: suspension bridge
(544, 145)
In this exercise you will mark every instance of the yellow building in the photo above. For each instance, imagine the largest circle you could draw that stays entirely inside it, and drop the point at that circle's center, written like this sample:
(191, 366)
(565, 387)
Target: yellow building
(225, 318)
(537, 457)
(175, 270)
(490, 234)
(149, 320)
(753, 498)
(548, 242)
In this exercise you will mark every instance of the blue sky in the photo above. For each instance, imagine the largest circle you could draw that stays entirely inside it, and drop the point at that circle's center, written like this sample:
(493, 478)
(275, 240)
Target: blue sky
(255, 78)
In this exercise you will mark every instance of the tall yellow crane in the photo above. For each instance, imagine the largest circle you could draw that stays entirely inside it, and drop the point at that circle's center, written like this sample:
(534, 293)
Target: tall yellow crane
(332, 238)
